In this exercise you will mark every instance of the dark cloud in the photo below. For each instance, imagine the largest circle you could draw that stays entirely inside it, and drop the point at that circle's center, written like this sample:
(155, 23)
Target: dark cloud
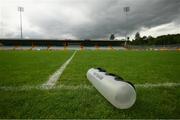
(95, 19)
(143, 14)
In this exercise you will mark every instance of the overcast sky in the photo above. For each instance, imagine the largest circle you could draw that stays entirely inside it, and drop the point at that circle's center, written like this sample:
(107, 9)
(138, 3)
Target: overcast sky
(89, 19)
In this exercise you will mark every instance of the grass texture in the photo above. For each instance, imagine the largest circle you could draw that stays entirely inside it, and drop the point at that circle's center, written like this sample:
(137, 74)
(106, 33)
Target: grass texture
(18, 68)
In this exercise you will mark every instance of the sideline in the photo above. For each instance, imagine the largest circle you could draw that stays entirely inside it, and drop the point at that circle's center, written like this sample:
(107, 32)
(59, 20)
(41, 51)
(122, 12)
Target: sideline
(78, 87)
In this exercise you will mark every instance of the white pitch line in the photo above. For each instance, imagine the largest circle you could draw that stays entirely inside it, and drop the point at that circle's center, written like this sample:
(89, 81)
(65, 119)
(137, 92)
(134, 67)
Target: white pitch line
(150, 85)
(55, 76)
(28, 88)
(18, 88)
(87, 87)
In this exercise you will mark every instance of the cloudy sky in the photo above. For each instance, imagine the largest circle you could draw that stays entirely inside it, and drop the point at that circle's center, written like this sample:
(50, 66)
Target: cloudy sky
(89, 19)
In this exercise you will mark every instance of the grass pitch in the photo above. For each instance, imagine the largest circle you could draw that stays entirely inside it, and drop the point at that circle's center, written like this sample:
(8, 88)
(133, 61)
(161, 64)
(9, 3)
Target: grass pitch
(29, 67)
(18, 68)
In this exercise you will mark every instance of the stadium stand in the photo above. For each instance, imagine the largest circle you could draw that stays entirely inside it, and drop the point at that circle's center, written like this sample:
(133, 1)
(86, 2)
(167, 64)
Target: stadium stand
(43, 44)
(49, 44)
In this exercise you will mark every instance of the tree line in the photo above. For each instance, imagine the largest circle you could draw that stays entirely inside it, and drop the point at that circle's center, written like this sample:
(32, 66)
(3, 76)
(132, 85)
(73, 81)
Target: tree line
(160, 40)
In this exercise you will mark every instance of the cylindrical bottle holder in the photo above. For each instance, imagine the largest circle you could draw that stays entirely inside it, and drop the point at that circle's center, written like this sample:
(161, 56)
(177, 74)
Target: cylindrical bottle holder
(118, 92)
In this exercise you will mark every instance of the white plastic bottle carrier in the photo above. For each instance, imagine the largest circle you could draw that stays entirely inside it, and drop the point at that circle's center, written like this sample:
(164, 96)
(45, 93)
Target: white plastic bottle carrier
(118, 92)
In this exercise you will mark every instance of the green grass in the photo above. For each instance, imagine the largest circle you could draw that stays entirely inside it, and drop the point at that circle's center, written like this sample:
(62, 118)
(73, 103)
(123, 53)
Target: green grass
(151, 103)
(138, 67)
(29, 67)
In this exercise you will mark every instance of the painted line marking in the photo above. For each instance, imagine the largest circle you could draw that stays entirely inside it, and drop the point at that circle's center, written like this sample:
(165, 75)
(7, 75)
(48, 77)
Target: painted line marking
(87, 87)
(28, 88)
(150, 85)
(56, 75)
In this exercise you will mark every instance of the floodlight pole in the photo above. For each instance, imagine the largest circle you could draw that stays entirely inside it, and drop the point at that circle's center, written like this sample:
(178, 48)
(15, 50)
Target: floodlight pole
(126, 10)
(21, 9)
(2, 35)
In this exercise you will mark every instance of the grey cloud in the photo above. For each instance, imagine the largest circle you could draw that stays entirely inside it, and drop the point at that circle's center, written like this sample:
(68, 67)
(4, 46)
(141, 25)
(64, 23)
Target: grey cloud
(144, 13)
(106, 16)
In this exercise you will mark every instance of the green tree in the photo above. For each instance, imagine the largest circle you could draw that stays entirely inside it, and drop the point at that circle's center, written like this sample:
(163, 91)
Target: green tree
(112, 37)
(137, 36)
